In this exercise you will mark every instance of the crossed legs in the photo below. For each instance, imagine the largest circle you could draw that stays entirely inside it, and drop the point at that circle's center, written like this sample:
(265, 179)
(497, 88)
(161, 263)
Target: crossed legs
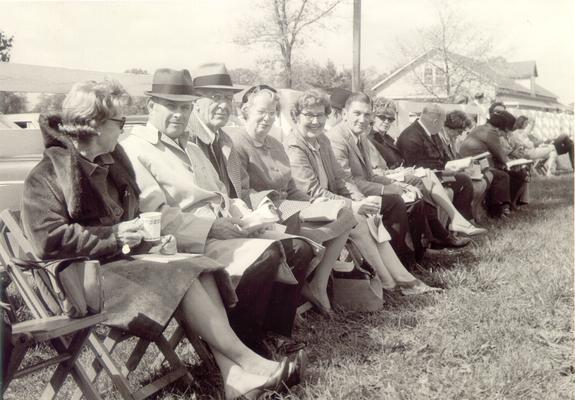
(242, 370)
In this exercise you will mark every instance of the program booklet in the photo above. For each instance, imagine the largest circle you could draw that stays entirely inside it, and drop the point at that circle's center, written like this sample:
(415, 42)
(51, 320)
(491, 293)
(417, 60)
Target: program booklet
(322, 211)
(518, 162)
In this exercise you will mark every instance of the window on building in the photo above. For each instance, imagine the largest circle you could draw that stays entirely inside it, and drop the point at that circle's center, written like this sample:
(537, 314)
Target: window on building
(439, 77)
(428, 76)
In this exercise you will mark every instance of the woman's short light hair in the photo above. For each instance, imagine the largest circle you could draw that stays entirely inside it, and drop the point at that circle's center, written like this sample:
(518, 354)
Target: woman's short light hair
(311, 98)
(255, 93)
(90, 103)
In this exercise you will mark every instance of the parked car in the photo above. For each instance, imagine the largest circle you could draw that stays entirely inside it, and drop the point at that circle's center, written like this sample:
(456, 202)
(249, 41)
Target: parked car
(20, 150)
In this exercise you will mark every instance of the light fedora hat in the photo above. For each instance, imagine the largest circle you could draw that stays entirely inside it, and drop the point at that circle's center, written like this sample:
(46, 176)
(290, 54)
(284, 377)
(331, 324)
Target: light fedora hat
(214, 76)
(171, 84)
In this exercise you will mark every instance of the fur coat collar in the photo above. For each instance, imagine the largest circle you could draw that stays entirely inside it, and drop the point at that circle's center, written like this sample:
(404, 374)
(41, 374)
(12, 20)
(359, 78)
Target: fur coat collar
(80, 196)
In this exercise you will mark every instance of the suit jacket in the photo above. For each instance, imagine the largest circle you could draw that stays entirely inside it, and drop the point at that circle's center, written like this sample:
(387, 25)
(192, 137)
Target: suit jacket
(356, 165)
(418, 149)
(481, 139)
(202, 136)
(387, 148)
(305, 169)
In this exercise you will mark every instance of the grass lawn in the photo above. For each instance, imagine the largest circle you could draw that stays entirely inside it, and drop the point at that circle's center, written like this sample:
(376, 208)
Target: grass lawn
(503, 329)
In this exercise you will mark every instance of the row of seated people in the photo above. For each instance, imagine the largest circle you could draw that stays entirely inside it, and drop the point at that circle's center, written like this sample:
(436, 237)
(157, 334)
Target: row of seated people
(85, 196)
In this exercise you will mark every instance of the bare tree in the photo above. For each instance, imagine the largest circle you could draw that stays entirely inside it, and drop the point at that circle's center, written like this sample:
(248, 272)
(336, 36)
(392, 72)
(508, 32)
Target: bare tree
(285, 25)
(455, 53)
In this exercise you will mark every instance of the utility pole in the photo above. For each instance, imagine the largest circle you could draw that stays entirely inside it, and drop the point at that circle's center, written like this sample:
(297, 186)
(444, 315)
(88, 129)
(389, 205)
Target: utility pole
(356, 75)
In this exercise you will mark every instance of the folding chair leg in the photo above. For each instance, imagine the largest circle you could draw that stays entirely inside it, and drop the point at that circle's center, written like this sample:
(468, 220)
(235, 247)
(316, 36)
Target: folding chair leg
(61, 372)
(173, 341)
(115, 373)
(102, 352)
(173, 359)
(137, 354)
(16, 356)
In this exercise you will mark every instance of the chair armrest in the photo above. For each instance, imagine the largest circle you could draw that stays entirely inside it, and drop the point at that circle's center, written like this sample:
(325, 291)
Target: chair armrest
(53, 327)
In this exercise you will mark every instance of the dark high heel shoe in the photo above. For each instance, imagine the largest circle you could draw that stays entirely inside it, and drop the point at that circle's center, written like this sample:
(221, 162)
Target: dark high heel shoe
(297, 366)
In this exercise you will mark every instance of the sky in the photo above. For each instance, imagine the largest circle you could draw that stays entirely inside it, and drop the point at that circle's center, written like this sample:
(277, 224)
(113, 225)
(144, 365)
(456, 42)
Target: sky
(113, 36)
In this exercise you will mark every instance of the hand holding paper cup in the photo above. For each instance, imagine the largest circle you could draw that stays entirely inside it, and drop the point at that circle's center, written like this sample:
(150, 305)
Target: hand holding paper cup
(152, 223)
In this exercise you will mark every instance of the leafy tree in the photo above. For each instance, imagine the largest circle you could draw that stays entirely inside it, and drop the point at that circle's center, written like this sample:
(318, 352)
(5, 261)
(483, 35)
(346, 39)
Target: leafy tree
(138, 106)
(6, 42)
(284, 27)
(245, 76)
(12, 103)
(49, 103)
(136, 71)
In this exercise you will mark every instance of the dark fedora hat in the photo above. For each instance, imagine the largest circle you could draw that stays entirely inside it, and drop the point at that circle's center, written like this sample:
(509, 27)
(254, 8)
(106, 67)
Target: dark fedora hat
(338, 97)
(172, 85)
(214, 76)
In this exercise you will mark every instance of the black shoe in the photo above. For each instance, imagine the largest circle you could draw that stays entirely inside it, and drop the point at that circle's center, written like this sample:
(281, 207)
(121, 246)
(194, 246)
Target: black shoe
(451, 241)
(284, 345)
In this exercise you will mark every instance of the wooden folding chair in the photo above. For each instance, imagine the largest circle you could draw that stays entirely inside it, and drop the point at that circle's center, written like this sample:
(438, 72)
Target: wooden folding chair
(13, 243)
(29, 333)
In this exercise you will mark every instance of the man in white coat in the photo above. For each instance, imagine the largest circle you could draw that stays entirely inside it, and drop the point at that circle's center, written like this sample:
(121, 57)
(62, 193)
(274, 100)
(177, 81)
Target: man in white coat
(176, 179)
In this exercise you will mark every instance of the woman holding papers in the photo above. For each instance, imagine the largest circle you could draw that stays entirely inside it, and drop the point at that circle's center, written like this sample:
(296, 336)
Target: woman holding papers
(520, 138)
(267, 169)
(487, 138)
(317, 173)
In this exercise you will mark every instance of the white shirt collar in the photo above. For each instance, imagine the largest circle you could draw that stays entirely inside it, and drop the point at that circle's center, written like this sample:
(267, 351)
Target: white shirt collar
(424, 128)
(206, 135)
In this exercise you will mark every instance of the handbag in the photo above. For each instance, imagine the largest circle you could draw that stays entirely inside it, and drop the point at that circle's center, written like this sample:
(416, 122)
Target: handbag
(71, 286)
(356, 286)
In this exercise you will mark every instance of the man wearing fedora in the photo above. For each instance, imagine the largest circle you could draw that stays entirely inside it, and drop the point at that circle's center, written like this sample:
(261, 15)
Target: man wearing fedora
(176, 179)
(211, 113)
(212, 110)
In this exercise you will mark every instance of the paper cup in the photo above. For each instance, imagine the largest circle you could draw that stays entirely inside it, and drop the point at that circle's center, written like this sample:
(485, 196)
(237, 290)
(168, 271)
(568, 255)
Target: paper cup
(152, 225)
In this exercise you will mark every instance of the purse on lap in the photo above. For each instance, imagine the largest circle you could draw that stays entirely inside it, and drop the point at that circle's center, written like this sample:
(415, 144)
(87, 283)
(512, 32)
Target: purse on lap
(71, 286)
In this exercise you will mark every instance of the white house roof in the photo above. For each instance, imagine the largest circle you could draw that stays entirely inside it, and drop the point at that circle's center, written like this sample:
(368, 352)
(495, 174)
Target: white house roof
(502, 75)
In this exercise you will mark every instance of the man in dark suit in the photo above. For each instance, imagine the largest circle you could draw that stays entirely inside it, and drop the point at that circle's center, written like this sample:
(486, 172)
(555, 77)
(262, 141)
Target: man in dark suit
(421, 146)
(350, 146)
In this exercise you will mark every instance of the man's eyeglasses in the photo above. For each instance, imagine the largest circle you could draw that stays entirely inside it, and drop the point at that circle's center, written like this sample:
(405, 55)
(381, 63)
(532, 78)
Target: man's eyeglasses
(121, 121)
(385, 118)
(311, 117)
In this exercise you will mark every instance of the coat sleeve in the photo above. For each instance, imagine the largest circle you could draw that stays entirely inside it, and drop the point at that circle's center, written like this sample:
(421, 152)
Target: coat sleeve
(46, 223)
(305, 177)
(191, 231)
(494, 145)
(341, 152)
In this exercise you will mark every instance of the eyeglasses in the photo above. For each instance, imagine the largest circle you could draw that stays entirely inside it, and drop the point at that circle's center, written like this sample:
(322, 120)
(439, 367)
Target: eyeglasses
(385, 118)
(311, 117)
(121, 121)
